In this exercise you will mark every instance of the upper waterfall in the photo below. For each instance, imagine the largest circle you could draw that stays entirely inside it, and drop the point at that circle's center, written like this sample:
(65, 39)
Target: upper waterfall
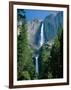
(41, 35)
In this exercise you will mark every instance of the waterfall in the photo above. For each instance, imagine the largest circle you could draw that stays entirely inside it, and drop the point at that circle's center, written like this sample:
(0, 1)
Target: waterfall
(36, 58)
(41, 43)
(41, 36)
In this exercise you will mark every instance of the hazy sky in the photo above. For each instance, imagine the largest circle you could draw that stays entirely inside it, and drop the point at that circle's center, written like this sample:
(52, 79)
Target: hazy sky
(37, 14)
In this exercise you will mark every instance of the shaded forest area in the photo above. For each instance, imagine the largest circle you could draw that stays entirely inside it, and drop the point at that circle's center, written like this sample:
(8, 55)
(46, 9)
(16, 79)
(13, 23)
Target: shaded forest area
(50, 57)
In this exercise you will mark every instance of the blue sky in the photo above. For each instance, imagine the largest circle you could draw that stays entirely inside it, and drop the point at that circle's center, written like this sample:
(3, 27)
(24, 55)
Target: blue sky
(37, 14)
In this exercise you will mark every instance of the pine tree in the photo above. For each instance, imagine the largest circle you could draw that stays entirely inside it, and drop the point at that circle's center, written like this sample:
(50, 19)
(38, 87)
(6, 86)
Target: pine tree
(56, 60)
(25, 67)
(44, 59)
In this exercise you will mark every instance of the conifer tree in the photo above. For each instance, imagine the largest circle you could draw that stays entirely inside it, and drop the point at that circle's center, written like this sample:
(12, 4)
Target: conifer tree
(25, 66)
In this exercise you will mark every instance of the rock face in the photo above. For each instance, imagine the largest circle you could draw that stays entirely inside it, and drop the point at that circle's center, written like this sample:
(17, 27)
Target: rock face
(33, 31)
(51, 24)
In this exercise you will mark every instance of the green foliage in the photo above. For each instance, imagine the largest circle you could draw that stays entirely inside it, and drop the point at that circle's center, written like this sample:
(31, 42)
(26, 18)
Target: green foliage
(44, 59)
(20, 14)
(24, 75)
(56, 59)
(25, 67)
(51, 58)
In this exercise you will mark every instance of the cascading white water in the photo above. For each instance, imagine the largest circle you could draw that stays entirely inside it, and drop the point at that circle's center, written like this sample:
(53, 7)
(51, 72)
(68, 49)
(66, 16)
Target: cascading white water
(41, 36)
(41, 43)
(36, 64)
